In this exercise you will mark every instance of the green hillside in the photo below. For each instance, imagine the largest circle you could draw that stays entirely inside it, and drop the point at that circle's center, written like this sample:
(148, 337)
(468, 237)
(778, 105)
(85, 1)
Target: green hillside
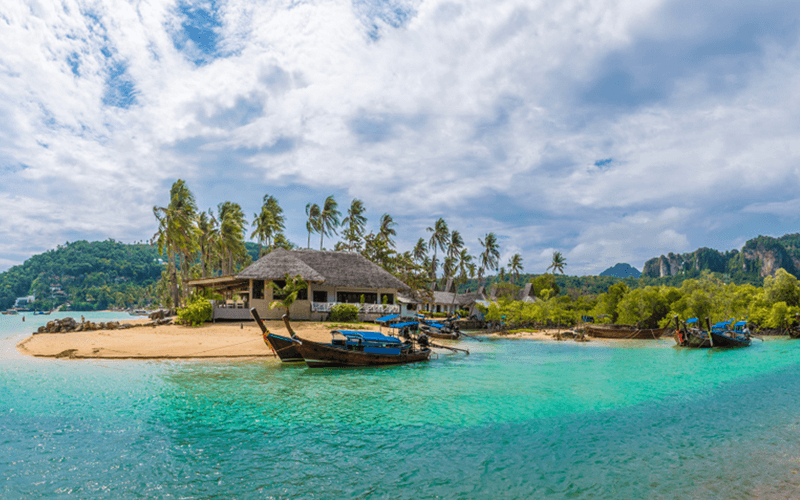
(86, 275)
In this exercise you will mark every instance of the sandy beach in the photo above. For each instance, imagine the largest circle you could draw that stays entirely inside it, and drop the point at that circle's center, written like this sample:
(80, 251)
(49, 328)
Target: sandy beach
(220, 340)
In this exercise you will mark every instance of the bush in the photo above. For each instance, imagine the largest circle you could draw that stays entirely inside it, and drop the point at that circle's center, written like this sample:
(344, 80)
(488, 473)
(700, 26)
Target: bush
(197, 312)
(344, 312)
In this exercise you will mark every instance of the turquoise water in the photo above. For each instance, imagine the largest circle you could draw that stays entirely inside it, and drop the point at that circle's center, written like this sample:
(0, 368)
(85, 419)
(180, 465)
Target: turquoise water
(515, 419)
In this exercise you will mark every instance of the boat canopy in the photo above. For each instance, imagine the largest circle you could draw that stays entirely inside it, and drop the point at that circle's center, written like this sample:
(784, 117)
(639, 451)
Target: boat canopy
(435, 324)
(403, 325)
(691, 320)
(388, 318)
(368, 336)
(741, 323)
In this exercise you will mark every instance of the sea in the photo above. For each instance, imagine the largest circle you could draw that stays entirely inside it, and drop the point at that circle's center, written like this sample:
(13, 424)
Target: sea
(514, 419)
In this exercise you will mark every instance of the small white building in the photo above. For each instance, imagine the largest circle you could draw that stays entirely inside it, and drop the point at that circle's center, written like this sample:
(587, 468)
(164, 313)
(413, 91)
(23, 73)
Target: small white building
(24, 301)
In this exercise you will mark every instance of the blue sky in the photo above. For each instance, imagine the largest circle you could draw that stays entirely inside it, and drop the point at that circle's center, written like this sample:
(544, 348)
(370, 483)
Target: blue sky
(612, 131)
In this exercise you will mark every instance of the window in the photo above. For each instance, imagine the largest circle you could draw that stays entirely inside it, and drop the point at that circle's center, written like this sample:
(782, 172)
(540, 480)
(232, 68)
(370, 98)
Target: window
(411, 307)
(320, 296)
(355, 297)
(258, 289)
(389, 298)
(302, 294)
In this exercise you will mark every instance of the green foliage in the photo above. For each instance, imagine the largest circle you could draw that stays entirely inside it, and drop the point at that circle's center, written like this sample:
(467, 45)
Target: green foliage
(197, 312)
(544, 282)
(287, 293)
(91, 276)
(344, 312)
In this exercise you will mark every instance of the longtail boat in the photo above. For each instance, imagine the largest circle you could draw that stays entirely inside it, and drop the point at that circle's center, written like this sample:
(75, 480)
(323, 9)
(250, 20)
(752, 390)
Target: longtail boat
(446, 330)
(285, 348)
(725, 336)
(690, 335)
(623, 332)
(358, 348)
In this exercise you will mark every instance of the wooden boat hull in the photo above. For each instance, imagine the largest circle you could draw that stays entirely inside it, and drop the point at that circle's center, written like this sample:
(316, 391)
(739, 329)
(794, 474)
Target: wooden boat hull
(721, 340)
(444, 336)
(691, 339)
(325, 355)
(623, 332)
(284, 347)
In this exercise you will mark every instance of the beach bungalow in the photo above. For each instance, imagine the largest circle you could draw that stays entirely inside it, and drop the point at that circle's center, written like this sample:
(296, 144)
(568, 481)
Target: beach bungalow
(332, 278)
(449, 301)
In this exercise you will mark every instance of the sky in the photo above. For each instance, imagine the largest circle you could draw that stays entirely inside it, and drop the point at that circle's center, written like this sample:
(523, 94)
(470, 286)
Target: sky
(611, 131)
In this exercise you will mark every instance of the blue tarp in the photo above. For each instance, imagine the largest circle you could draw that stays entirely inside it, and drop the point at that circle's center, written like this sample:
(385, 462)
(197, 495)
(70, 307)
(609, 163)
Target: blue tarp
(387, 318)
(692, 320)
(740, 323)
(371, 336)
(435, 324)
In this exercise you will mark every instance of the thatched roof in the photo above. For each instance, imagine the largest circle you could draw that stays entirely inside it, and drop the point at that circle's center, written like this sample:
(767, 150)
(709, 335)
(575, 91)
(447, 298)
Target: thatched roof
(340, 269)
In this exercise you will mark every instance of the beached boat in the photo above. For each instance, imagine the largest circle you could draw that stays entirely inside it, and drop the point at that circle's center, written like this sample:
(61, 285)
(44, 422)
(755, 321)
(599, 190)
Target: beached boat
(9, 313)
(445, 330)
(623, 332)
(358, 348)
(284, 347)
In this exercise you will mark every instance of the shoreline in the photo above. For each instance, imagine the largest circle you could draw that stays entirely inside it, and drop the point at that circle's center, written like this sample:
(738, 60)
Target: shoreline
(234, 340)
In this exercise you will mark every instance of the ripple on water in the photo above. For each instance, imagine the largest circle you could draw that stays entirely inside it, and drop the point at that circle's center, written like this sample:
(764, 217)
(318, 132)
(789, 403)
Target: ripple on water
(515, 419)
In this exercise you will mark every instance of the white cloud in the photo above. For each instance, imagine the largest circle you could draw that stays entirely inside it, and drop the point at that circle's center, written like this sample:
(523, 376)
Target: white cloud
(474, 111)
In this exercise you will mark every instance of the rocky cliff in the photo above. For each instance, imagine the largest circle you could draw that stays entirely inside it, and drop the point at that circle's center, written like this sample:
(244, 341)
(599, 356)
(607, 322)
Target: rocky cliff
(760, 256)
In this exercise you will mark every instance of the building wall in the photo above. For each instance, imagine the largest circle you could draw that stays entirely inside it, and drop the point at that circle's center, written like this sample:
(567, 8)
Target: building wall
(301, 309)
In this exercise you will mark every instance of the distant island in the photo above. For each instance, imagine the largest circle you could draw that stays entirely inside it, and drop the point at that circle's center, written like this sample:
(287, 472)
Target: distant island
(622, 271)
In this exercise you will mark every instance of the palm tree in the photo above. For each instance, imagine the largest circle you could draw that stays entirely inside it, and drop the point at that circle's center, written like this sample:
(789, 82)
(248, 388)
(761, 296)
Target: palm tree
(232, 225)
(262, 222)
(454, 247)
(328, 219)
(177, 233)
(490, 254)
(276, 221)
(464, 263)
(387, 230)
(440, 235)
(559, 261)
(312, 224)
(515, 266)
(420, 250)
(207, 238)
(288, 294)
(355, 224)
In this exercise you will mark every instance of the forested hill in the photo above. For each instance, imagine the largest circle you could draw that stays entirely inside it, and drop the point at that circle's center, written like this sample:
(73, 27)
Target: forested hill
(760, 257)
(88, 275)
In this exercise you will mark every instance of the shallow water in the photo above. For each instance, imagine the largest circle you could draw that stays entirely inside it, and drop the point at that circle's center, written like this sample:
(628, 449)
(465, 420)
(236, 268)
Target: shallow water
(514, 419)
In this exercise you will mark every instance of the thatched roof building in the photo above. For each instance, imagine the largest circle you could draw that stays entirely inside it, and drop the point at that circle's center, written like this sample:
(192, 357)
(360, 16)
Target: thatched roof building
(336, 269)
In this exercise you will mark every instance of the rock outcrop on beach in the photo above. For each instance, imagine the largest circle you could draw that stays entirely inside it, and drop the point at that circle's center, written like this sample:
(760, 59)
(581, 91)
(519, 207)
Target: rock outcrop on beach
(67, 325)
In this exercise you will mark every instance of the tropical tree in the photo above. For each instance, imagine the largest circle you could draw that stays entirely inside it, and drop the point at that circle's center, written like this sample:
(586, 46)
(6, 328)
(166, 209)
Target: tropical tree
(263, 224)
(177, 233)
(440, 235)
(515, 266)
(454, 247)
(208, 232)
(386, 231)
(355, 225)
(288, 293)
(559, 262)
(490, 254)
(313, 222)
(420, 251)
(232, 225)
(328, 219)
(275, 220)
